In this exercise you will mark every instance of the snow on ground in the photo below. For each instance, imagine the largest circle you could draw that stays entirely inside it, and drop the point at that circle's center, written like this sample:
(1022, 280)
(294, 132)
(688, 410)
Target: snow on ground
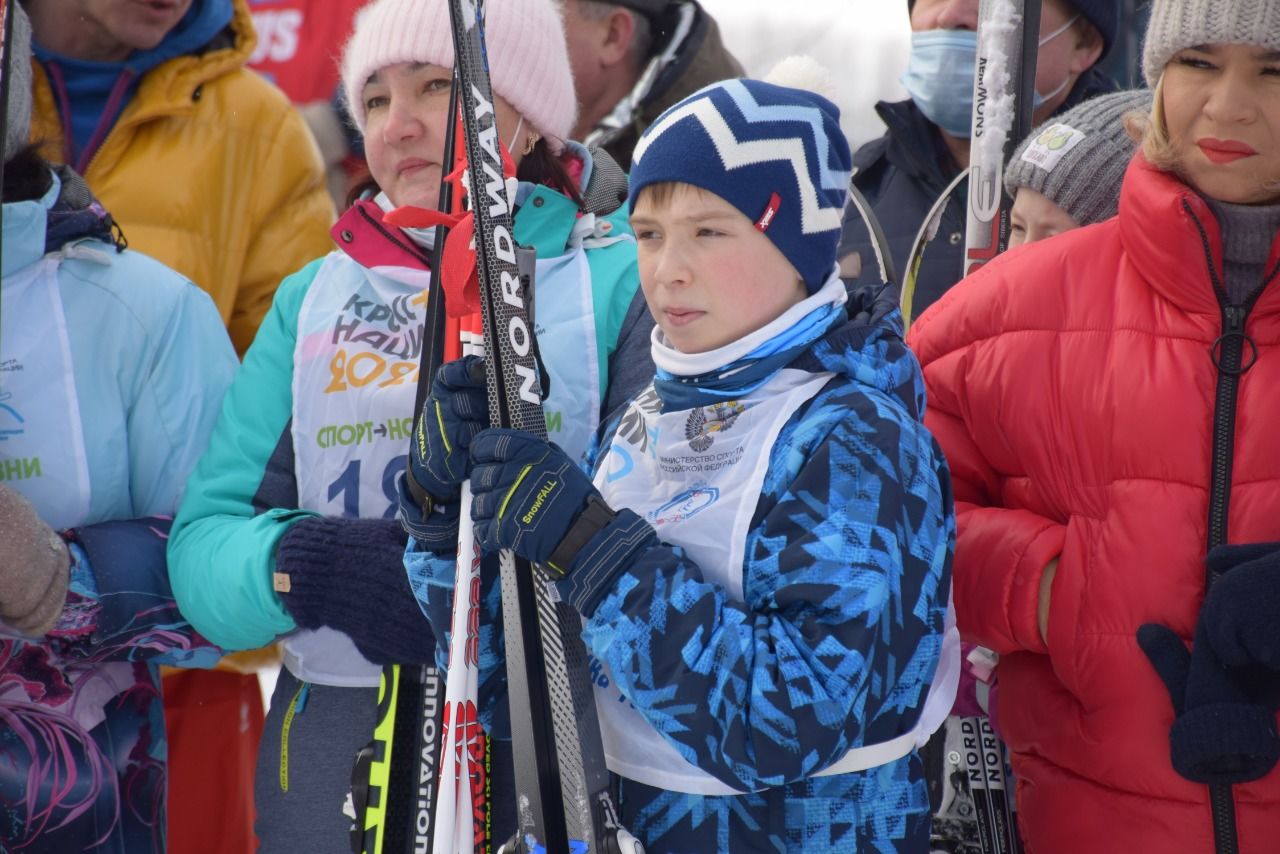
(864, 43)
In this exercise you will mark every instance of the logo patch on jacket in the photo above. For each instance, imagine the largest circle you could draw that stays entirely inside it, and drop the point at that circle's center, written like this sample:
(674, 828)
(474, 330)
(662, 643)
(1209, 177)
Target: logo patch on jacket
(705, 421)
(684, 506)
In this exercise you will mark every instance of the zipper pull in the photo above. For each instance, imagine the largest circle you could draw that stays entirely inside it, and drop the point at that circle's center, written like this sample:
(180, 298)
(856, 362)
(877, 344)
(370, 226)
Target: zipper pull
(1235, 319)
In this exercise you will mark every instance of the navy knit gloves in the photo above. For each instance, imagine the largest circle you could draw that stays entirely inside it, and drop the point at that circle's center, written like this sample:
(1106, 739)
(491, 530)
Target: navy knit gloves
(1220, 735)
(348, 574)
(455, 411)
(1241, 614)
(526, 494)
(531, 498)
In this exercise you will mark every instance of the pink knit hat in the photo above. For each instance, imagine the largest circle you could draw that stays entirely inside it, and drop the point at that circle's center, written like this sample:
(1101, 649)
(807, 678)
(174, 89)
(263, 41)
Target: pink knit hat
(529, 62)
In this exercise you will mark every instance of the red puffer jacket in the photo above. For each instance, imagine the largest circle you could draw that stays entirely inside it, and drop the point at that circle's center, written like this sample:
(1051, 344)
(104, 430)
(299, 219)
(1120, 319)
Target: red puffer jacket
(1072, 386)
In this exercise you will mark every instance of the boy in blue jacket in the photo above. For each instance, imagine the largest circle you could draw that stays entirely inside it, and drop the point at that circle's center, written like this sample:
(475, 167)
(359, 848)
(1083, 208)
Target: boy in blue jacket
(762, 551)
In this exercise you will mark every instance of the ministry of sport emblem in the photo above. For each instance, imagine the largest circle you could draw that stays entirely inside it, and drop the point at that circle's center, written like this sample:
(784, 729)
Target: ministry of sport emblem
(704, 421)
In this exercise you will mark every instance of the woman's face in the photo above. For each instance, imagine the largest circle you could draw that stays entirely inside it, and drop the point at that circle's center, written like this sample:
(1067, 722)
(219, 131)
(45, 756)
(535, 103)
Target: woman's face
(407, 110)
(1222, 108)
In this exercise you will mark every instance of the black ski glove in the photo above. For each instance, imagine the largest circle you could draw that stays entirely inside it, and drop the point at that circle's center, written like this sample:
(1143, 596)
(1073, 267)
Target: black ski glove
(1219, 736)
(348, 574)
(455, 411)
(1241, 614)
(531, 498)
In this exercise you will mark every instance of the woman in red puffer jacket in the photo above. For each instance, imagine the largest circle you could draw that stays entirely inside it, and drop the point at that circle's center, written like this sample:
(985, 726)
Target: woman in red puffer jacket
(1108, 404)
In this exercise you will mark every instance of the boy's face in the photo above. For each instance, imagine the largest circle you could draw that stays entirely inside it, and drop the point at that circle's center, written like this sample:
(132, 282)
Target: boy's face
(709, 276)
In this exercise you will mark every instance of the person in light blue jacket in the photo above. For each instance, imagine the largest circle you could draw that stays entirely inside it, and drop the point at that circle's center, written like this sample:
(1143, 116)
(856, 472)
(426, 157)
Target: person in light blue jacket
(112, 368)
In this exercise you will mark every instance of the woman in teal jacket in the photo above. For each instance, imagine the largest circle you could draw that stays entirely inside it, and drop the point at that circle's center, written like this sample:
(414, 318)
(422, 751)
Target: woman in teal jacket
(288, 529)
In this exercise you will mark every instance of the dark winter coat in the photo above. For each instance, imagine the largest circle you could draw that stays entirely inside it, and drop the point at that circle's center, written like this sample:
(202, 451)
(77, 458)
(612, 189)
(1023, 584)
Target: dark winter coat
(902, 174)
(1072, 385)
(704, 60)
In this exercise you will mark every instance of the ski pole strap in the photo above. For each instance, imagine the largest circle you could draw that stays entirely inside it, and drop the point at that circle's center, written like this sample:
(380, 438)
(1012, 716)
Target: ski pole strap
(592, 520)
(420, 496)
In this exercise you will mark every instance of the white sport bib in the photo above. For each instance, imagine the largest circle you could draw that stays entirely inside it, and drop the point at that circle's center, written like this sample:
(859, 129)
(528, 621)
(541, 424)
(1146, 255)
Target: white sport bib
(355, 373)
(42, 451)
(697, 477)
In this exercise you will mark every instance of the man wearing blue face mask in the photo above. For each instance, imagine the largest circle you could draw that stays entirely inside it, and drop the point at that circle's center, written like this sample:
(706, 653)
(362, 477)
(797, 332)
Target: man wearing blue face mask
(904, 172)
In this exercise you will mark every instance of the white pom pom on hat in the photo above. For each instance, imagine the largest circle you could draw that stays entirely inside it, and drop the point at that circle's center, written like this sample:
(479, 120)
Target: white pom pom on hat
(804, 72)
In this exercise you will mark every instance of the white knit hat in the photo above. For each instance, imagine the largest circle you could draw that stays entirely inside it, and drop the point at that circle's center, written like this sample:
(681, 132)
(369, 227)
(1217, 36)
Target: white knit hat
(529, 62)
(1179, 24)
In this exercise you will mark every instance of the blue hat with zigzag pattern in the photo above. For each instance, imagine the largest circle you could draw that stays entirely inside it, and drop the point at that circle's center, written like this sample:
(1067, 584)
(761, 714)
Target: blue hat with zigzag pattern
(775, 153)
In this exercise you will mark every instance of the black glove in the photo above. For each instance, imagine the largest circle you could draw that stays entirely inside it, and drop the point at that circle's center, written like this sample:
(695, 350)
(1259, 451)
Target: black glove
(348, 574)
(1219, 735)
(531, 498)
(1241, 614)
(455, 411)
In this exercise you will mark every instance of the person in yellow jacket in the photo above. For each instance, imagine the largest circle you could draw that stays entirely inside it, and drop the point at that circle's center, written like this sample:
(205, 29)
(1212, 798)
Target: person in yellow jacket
(202, 162)
(207, 168)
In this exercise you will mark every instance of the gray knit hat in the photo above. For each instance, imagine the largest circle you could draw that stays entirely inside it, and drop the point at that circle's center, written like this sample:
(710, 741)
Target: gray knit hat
(17, 121)
(1077, 159)
(1179, 24)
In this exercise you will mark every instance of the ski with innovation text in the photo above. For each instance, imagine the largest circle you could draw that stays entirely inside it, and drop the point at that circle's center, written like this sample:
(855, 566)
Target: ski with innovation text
(562, 785)
(397, 775)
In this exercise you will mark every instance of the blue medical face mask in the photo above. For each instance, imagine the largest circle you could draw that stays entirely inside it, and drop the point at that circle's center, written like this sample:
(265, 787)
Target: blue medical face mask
(939, 78)
(940, 72)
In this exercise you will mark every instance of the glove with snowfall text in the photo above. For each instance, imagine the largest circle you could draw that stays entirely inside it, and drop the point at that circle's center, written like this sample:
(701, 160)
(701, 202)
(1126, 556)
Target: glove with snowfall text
(530, 497)
(35, 567)
(348, 574)
(1219, 734)
(1241, 614)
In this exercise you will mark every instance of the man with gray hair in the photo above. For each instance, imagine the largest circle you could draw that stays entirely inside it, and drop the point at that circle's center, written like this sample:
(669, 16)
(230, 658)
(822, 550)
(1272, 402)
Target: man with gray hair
(632, 59)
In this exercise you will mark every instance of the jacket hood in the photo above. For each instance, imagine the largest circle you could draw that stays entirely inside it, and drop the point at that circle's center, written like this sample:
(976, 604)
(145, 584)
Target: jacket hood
(67, 212)
(199, 29)
(868, 348)
(204, 27)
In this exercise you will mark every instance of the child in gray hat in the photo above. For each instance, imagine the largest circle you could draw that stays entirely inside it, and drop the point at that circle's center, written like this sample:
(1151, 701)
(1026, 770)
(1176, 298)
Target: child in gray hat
(1067, 172)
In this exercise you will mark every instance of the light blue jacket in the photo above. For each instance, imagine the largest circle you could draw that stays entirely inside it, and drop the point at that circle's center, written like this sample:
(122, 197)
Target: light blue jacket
(152, 361)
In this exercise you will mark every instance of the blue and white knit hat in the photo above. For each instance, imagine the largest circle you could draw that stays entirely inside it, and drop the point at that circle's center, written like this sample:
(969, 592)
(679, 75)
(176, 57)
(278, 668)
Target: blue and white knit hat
(775, 153)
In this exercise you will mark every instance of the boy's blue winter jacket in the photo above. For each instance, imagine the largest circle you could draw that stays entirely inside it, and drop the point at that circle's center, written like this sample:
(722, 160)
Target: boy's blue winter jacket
(856, 502)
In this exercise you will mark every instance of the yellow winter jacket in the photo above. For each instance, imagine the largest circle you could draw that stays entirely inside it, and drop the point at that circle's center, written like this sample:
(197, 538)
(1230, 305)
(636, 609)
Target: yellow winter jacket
(211, 171)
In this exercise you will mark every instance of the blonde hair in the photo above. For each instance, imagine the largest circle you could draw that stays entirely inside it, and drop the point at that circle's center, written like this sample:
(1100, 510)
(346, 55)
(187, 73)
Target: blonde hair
(1151, 130)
